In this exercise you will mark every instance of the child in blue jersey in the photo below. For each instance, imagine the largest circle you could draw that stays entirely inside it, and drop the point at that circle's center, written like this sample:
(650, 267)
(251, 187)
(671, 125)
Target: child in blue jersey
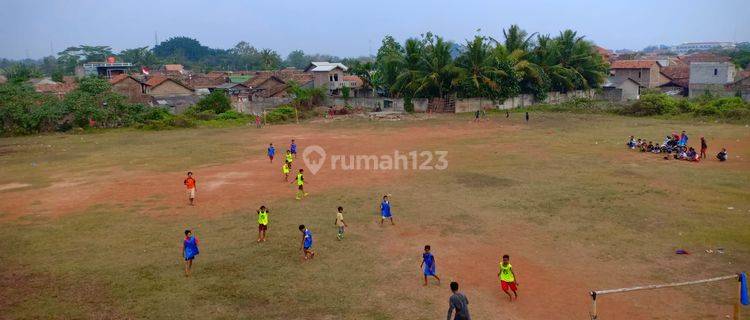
(271, 152)
(385, 210)
(428, 265)
(307, 242)
(189, 250)
(293, 148)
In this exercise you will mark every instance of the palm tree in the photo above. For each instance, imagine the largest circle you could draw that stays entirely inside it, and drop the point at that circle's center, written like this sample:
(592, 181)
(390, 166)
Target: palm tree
(408, 68)
(436, 75)
(517, 39)
(569, 61)
(481, 73)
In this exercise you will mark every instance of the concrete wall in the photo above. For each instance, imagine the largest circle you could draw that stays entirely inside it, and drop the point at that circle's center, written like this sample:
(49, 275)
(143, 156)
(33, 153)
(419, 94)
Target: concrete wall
(611, 94)
(524, 100)
(397, 104)
(257, 105)
(703, 73)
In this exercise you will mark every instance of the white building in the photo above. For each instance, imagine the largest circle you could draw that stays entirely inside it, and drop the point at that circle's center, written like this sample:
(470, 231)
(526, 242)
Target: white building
(701, 46)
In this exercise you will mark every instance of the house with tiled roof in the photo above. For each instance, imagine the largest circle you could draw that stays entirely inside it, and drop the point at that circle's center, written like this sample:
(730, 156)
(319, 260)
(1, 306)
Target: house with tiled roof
(130, 87)
(605, 53)
(645, 72)
(163, 86)
(678, 79)
(329, 75)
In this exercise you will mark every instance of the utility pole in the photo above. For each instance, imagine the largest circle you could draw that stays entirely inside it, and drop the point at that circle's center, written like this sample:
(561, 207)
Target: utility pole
(156, 40)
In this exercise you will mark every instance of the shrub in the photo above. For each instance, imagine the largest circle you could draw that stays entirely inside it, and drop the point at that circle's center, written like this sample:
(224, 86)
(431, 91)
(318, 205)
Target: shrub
(652, 104)
(170, 122)
(216, 101)
(408, 105)
(281, 114)
(738, 114)
(230, 115)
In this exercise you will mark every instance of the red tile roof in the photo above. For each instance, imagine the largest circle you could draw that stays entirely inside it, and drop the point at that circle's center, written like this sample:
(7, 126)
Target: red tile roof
(155, 81)
(633, 64)
(704, 57)
(118, 78)
(679, 74)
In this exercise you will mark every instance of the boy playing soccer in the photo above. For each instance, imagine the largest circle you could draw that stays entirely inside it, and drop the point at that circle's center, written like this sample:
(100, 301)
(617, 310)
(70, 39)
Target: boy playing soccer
(288, 157)
(508, 278)
(189, 250)
(300, 185)
(293, 148)
(340, 223)
(307, 242)
(385, 210)
(262, 223)
(285, 170)
(271, 152)
(190, 184)
(428, 265)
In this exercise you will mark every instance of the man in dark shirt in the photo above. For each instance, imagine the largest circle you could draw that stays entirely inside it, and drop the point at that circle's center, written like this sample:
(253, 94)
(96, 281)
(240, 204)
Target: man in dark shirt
(458, 302)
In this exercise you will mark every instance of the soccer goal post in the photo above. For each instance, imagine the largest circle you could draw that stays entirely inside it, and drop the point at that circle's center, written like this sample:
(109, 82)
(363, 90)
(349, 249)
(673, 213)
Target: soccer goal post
(596, 294)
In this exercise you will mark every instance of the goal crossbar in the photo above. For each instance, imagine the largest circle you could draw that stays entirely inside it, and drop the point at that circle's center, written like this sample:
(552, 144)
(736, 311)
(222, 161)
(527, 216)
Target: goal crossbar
(595, 294)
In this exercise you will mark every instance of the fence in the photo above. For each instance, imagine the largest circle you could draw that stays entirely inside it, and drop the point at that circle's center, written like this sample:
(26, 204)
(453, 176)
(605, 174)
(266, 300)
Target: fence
(523, 100)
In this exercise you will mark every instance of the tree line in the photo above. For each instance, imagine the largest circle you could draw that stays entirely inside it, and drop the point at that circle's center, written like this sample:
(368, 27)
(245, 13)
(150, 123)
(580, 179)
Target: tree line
(178, 50)
(429, 66)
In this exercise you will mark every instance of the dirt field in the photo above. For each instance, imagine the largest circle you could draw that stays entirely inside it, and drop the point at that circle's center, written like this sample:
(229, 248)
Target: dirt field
(91, 225)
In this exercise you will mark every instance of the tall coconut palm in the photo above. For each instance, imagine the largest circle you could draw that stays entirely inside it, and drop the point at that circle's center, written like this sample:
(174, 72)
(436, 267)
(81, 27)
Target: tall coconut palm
(408, 66)
(482, 77)
(437, 75)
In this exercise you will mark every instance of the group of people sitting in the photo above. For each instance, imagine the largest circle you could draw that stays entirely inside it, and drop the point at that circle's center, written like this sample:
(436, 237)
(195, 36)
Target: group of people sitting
(675, 146)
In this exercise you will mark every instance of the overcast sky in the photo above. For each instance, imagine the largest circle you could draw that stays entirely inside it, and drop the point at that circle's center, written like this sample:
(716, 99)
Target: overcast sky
(34, 28)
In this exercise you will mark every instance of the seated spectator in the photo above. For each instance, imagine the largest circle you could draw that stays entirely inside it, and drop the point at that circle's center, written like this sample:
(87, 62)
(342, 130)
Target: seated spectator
(690, 155)
(667, 140)
(631, 142)
(650, 146)
(656, 149)
(722, 155)
(681, 154)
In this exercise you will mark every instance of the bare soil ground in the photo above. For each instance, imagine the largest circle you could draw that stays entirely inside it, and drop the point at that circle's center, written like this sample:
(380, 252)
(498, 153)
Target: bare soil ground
(511, 187)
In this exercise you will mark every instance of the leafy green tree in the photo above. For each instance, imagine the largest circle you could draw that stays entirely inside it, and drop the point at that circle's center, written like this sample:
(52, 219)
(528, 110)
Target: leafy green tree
(181, 49)
(141, 56)
(19, 72)
(297, 59)
(364, 70)
(387, 63)
(217, 101)
(269, 59)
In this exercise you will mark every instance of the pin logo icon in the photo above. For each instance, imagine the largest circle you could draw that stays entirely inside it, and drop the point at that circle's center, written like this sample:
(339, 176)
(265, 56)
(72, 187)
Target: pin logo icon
(314, 156)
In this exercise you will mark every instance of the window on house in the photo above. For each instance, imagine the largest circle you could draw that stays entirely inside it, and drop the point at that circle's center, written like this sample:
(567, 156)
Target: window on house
(716, 72)
(335, 77)
(330, 78)
(639, 74)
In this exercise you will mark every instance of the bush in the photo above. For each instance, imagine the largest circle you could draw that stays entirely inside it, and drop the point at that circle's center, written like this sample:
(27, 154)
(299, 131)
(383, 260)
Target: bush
(230, 115)
(738, 114)
(652, 104)
(171, 122)
(216, 101)
(281, 114)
